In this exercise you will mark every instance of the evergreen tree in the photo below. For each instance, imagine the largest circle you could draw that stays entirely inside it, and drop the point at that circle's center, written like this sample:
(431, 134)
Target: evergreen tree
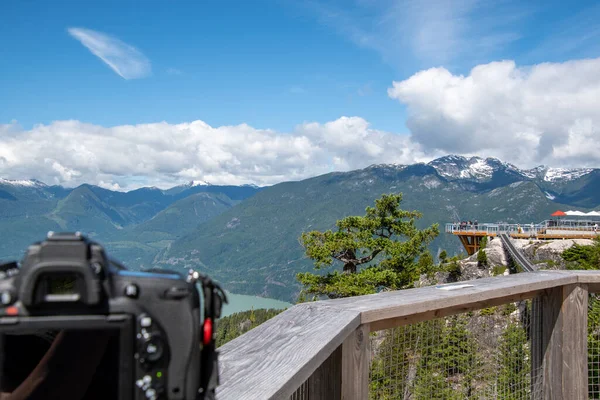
(386, 234)
(483, 242)
(426, 263)
(583, 257)
(443, 257)
(401, 365)
(451, 365)
(515, 364)
(482, 260)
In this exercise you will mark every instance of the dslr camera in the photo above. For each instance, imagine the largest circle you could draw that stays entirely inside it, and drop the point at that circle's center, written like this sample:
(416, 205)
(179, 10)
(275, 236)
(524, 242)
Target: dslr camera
(75, 324)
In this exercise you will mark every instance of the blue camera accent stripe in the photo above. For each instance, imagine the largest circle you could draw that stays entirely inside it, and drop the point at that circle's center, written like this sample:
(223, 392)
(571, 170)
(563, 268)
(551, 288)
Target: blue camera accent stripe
(142, 274)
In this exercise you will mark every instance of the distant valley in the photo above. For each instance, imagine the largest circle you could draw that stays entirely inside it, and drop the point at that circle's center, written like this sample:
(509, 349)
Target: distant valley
(247, 237)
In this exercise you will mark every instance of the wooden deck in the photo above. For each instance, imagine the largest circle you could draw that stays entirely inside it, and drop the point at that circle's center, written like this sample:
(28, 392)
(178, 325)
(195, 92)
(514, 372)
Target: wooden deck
(324, 345)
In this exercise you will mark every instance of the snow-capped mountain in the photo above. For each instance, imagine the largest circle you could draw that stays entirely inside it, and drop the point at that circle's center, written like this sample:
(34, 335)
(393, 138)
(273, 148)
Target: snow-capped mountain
(559, 174)
(476, 168)
(25, 183)
(198, 183)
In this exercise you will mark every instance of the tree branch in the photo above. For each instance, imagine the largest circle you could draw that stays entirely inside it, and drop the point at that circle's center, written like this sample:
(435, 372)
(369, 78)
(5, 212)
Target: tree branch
(368, 258)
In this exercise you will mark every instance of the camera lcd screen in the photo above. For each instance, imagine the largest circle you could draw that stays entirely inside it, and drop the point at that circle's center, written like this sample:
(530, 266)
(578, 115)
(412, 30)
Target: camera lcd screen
(62, 364)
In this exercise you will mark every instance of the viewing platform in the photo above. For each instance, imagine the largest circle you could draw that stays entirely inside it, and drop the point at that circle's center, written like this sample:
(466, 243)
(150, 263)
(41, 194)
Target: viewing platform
(470, 234)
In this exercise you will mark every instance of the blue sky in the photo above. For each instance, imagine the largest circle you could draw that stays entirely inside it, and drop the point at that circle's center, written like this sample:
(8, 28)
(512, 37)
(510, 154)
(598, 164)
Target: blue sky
(266, 63)
(271, 64)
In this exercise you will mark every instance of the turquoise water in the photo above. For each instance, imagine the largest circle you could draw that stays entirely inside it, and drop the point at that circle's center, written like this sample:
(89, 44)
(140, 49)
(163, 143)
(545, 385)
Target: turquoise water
(242, 302)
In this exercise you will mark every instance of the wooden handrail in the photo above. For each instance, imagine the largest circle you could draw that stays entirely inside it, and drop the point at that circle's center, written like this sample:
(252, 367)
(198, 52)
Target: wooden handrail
(272, 360)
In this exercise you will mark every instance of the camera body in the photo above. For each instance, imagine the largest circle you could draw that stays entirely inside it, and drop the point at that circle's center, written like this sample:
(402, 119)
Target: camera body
(165, 350)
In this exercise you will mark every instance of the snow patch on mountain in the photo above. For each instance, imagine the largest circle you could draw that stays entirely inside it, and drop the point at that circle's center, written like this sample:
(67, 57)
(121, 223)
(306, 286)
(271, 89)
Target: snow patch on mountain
(549, 196)
(465, 168)
(199, 183)
(564, 174)
(391, 166)
(459, 167)
(531, 173)
(480, 168)
(431, 183)
(27, 183)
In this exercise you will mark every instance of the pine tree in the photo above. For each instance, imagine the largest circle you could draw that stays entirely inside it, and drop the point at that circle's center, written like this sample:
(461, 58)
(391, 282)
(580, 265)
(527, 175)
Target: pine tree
(386, 239)
(514, 363)
(443, 257)
(482, 260)
(583, 257)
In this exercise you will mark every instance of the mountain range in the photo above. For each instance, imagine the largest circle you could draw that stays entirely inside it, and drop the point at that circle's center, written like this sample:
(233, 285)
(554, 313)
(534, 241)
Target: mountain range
(247, 237)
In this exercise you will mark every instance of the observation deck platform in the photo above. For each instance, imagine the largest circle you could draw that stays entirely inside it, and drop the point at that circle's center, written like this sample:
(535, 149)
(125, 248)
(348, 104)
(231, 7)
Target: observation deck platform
(471, 235)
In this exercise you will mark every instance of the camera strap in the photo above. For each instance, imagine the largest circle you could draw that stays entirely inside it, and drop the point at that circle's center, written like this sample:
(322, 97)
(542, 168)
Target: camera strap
(214, 298)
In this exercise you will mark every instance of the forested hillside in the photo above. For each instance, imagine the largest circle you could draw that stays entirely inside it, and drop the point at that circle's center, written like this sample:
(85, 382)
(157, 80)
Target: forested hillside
(133, 225)
(253, 248)
(247, 237)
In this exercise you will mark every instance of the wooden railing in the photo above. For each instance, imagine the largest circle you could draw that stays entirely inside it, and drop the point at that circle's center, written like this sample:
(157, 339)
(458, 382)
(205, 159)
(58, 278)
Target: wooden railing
(324, 348)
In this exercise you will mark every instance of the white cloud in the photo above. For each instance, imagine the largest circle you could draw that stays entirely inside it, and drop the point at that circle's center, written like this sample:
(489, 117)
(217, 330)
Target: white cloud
(124, 59)
(163, 155)
(540, 114)
(546, 113)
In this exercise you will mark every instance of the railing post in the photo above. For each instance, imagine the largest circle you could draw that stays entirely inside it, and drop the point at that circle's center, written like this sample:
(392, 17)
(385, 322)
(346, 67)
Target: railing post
(356, 360)
(345, 373)
(564, 342)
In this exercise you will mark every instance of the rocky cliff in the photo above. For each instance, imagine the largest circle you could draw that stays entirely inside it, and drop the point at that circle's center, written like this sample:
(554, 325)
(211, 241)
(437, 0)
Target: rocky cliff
(544, 254)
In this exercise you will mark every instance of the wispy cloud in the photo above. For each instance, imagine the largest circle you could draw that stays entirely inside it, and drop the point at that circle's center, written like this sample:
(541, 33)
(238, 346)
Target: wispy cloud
(127, 61)
(427, 32)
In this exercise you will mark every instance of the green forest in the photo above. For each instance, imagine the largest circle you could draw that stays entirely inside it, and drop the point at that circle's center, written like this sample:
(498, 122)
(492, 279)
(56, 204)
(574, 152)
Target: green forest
(237, 324)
